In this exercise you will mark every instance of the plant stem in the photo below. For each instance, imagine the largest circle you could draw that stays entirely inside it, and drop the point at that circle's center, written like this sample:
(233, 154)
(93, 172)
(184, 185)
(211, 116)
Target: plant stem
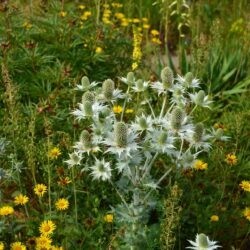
(75, 198)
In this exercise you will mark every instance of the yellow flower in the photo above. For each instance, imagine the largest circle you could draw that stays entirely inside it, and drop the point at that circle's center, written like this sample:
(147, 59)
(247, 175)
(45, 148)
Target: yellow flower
(62, 204)
(85, 15)
(47, 227)
(134, 65)
(245, 185)
(109, 218)
(246, 213)
(54, 153)
(43, 242)
(200, 165)
(214, 218)
(81, 7)
(98, 50)
(56, 248)
(63, 14)
(117, 109)
(155, 32)
(144, 19)
(124, 22)
(129, 111)
(1, 245)
(6, 210)
(17, 246)
(145, 26)
(156, 40)
(40, 189)
(21, 199)
(27, 25)
(136, 20)
(119, 15)
(231, 159)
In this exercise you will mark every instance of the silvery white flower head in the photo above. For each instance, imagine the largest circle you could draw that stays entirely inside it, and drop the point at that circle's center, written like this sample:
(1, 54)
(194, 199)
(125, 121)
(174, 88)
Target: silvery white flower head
(85, 84)
(178, 95)
(188, 81)
(121, 141)
(186, 159)
(158, 86)
(74, 159)
(202, 242)
(140, 86)
(218, 134)
(129, 80)
(101, 170)
(142, 123)
(200, 99)
(100, 129)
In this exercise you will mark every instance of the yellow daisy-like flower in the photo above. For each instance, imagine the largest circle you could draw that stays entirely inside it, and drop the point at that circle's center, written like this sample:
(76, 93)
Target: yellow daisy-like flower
(62, 204)
(214, 218)
(200, 165)
(47, 227)
(109, 218)
(1, 245)
(17, 246)
(231, 159)
(21, 199)
(54, 153)
(43, 242)
(246, 213)
(98, 50)
(6, 210)
(245, 185)
(40, 189)
(56, 248)
(117, 109)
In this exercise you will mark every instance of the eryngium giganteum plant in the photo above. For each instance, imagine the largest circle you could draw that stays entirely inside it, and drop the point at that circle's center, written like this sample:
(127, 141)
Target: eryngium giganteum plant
(122, 151)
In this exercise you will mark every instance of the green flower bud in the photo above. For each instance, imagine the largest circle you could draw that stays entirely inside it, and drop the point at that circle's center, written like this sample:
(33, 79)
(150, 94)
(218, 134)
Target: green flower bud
(108, 87)
(177, 118)
(85, 138)
(202, 241)
(167, 77)
(120, 132)
(130, 78)
(198, 132)
(88, 96)
(139, 84)
(162, 138)
(87, 107)
(85, 82)
(188, 78)
(200, 97)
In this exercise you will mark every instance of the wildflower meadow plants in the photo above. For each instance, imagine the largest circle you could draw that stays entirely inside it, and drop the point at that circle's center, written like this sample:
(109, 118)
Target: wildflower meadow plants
(122, 150)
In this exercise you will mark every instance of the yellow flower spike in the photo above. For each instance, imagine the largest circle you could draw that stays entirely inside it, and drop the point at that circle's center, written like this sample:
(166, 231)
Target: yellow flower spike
(6, 210)
(117, 109)
(47, 227)
(246, 213)
(62, 204)
(21, 199)
(200, 165)
(109, 218)
(214, 218)
(231, 159)
(17, 246)
(54, 153)
(40, 189)
(245, 185)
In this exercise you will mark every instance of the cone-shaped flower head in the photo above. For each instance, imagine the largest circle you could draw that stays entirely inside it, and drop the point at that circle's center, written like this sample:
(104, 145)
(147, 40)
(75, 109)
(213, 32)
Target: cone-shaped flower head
(88, 96)
(85, 82)
(120, 132)
(167, 77)
(188, 78)
(143, 123)
(85, 138)
(139, 84)
(200, 98)
(87, 107)
(198, 132)
(177, 118)
(130, 78)
(108, 87)
(162, 138)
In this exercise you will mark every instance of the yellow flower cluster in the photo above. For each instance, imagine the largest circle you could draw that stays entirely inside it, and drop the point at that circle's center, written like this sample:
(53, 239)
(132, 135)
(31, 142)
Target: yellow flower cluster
(137, 53)
(200, 165)
(85, 16)
(155, 37)
(6, 210)
(117, 109)
(106, 15)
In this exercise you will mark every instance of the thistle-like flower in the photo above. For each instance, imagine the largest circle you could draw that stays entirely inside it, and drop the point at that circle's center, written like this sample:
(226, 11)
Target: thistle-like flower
(201, 99)
(202, 242)
(101, 170)
(142, 123)
(85, 84)
(74, 159)
(188, 81)
(140, 86)
(167, 77)
(129, 80)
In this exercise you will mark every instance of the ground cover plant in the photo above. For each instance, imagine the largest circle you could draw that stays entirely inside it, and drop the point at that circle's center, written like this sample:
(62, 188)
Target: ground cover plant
(124, 125)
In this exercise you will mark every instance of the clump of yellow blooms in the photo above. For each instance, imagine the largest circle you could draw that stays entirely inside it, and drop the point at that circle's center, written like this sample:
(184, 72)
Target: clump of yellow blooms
(155, 37)
(109, 218)
(21, 199)
(137, 53)
(214, 218)
(85, 16)
(117, 109)
(231, 159)
(200, 165)
(54, 153)
(40, 189)
(6, 210)
(245, 185)
(106, 15)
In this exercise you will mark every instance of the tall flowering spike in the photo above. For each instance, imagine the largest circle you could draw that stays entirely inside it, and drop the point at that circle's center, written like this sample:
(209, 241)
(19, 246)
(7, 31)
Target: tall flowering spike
(188, 78)
(130, 78)
(200, 97)
(85, 138)
(198, 132)
(167, 77)
(85, 82)
(87, 107)
(88, 96)
(120, 132)
(177, 118)
(108, 87)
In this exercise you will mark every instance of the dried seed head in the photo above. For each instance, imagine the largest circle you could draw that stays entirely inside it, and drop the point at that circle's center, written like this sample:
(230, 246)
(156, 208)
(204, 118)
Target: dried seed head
(85, 82)
(188, 78)
(88, 96)
(85, 138)
(167, 77)
(87, 107)
(198, 132)
(120, 131)
(108, 87)
(130, 78)
(202, 241)
(177, 118)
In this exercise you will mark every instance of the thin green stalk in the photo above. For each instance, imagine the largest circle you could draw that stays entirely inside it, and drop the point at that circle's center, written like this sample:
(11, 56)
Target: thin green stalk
(75, 196)
(163, 105)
